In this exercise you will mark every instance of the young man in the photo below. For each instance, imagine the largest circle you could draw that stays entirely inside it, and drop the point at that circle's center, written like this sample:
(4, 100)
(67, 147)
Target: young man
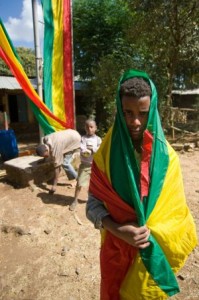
(137, 200)
(90, 143)
(61, 146)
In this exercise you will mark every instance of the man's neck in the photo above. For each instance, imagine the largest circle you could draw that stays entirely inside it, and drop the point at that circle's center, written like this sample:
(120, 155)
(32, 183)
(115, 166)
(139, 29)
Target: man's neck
(137, 145)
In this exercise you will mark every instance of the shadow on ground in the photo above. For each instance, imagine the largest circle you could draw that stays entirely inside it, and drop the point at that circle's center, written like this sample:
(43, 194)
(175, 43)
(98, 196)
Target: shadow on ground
(58, 199)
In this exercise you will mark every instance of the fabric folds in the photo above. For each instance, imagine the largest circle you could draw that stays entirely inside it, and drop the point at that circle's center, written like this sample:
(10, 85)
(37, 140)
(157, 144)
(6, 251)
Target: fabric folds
(47, 120)
(58, 71)
(155, 198)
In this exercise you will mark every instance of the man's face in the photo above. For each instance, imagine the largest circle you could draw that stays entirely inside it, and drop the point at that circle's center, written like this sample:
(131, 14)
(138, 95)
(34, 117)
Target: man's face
(46, 154)
(136, 115)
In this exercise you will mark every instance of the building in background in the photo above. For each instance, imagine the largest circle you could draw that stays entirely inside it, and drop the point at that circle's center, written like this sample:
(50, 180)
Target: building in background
(185, 109)
(17, 106)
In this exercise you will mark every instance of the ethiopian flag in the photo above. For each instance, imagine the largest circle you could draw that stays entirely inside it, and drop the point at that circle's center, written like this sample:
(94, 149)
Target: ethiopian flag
(58, 71)
(47, 120)
(151, 194)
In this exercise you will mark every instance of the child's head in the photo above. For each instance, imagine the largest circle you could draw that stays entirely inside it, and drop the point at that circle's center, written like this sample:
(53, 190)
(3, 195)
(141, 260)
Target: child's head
(90, 127)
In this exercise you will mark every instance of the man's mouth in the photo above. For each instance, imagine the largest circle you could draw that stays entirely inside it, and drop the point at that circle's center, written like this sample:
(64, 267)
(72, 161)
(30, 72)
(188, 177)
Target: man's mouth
(135, 131)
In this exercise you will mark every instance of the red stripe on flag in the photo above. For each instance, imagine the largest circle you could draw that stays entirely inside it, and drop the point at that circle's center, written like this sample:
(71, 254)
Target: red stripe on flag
(112, 250)
(67, 64)
(145, 163)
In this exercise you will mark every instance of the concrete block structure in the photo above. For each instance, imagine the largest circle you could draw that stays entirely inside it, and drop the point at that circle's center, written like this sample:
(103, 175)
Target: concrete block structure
(27, 170)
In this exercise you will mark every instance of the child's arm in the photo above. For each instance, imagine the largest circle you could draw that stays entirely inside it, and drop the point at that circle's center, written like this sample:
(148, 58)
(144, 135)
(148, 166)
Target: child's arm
(95, 148)
(83, 145)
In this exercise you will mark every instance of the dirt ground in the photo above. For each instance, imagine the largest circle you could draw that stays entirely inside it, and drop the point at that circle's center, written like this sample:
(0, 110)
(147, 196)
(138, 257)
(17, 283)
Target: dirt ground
(50, 253)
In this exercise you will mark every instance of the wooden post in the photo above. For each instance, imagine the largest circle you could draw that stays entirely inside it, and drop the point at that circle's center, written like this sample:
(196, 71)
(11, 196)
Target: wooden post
(5, 120)
(37, 57)
(172, 125)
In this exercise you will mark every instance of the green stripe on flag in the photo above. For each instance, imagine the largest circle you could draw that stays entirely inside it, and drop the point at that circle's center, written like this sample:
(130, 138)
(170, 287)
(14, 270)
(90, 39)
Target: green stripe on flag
(48, 51)
(125, 179)
(43, 122)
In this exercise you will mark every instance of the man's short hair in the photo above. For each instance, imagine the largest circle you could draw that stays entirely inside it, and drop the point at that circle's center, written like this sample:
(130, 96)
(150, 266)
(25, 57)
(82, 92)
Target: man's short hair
(135, 87)
(41, 149)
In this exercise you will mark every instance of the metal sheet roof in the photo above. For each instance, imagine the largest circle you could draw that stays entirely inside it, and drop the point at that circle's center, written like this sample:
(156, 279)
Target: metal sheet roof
(10, 83)
(186, 92)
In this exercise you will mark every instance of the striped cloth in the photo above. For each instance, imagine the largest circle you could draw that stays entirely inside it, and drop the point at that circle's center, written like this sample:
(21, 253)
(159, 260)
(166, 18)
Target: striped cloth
(58, 73)
(153, 196)
(47, 120)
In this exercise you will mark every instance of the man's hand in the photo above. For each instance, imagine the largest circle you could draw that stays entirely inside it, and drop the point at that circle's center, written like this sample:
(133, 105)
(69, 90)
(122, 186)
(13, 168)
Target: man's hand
(86, 153)
(129, 232)
(134, 235)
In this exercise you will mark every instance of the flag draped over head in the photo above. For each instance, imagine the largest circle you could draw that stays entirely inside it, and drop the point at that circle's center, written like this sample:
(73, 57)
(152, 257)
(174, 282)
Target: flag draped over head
(47, 120)
(58, 73)
(153, 195)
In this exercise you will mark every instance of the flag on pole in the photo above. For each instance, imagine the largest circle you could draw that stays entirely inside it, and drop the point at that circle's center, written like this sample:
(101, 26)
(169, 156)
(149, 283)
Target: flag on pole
(58, 70)
(47, 120)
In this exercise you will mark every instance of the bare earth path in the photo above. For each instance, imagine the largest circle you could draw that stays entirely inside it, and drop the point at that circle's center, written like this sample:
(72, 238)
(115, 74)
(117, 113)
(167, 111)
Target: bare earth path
(48, 252)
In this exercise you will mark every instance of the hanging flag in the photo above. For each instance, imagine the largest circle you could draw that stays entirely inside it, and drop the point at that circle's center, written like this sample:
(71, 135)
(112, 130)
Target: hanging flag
(58, 71)
(47, 120)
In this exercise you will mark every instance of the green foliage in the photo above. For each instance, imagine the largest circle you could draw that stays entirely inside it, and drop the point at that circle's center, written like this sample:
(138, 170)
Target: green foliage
(27, 59)
(104, 85)
(159, 37)
(4, 70)
(98, 30)
(101, 53)
(168, 30)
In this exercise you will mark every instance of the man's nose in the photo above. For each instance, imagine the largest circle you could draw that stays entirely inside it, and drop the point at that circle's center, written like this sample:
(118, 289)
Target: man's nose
(135, 121)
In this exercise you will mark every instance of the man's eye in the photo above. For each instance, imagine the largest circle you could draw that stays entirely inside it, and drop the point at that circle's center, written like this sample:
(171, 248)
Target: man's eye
(127, 114)
(144, 113)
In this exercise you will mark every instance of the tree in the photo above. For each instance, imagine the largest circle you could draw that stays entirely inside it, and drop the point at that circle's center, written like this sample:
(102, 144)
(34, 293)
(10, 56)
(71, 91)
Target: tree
(167, 35)
(104, 85)
(4, 70)
(98, 30)
(101, 52)
(154, 36)
(27, 59)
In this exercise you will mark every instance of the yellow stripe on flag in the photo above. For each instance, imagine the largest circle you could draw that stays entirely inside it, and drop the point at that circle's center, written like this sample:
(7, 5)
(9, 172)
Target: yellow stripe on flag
(167, 223)
(57, 62)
